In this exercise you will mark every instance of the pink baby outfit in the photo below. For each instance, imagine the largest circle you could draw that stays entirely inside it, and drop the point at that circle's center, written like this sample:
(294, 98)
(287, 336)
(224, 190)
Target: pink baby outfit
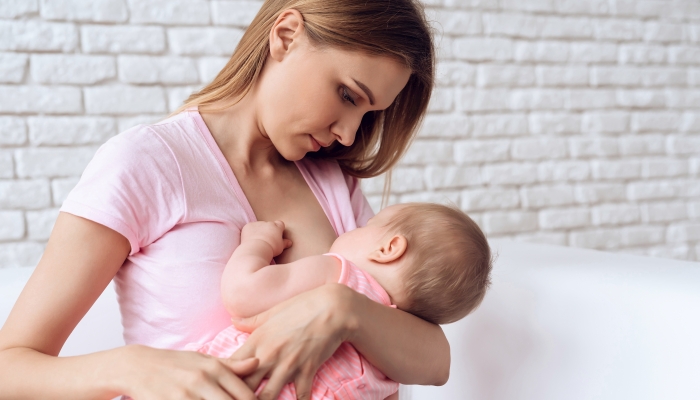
(169, 190)
(346, 375)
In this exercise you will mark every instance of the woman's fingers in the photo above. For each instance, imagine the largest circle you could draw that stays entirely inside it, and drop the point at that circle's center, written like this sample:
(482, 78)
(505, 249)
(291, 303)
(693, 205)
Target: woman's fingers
(303, 385)
(241, 367)
(253, 380)
(236, 388)
(274, 385)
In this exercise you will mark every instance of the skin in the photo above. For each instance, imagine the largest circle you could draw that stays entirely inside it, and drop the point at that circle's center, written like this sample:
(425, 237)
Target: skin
(294, 100)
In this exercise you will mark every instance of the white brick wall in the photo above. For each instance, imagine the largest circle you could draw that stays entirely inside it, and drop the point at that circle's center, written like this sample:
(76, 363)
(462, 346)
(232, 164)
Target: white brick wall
(573, 122)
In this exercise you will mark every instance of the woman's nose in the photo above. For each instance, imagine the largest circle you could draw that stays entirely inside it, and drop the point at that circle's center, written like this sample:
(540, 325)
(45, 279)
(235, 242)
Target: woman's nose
(345, 129)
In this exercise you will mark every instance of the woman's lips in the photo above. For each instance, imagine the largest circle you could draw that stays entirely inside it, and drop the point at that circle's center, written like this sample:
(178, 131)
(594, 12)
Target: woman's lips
(315, 144)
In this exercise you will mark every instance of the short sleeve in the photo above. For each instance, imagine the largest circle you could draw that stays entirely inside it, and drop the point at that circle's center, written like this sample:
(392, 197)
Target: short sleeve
(133, 186)
(360, 206)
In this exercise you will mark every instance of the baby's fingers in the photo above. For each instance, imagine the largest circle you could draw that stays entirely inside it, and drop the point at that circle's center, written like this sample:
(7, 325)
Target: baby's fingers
(287, 243)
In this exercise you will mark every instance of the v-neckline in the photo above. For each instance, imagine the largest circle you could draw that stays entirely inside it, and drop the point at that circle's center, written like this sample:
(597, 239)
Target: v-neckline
(236, 186)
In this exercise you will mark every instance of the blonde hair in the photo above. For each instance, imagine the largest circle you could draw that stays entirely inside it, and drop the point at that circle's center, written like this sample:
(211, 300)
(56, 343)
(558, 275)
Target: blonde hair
(389, 28)
(449, 261)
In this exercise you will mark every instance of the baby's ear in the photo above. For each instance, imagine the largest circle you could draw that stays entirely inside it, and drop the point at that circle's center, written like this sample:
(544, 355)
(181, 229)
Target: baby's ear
(391, 249)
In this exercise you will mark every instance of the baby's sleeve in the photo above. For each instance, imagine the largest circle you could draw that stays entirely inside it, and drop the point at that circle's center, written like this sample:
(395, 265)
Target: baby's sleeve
(360, 206)
(133, 186)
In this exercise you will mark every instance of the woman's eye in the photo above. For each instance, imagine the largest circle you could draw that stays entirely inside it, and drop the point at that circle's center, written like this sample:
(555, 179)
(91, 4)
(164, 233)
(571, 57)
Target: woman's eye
(347, 97)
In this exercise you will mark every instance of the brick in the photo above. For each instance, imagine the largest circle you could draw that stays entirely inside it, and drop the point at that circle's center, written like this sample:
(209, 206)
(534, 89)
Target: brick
(499, 125)
(122, 39)
(178, 95)
(489, 199)
(209, 67)
(641, 98)
(234, 13)
(682, 98)
(124, 123)
(60, 187)
(636, 76)
(529, 6)
(442, 197)
(618, 29)
(683, 145)
(72, 69)
(59, 131)
(642, 235)
(616, 169)
(85, 10)
(694, 209)
(455, 73)
(547, 196)
(684, 55)
(691, 122)
(24, 194)
(406, 179)
(483, 49)
(593, 52)
(154, 69)
(442, 100)
(615, 214)
(505, 75)
(515, 25)
(451, 177)
(542, 51)
(40, 223)
(562, 76)
(509, 173)
(563, 171)
(564, 218)
(665, 167)
(642, 54)
(483, 100)
(211, 41)
(606, 122)
(52, 162)
(478, 4)
(13, 131)
(124, 100)
(587, 147)
(661, 121)
(591, 7)
(680, 252)
(12, 67)
(436, 125)
(567, 28)
(11, 225)
(444, 48)
(642, 145)
(592, 193)
(169, 12)
(7, 164)
(591, 99)
(481, 151)
(40, 99)
(455, 22)
(548, 123)
(424, 151)
(552, 238)
(596, 238)
(538, 149)
(33, 35)
(20, 254)
(663, 212)
(509, 222)
(663, 32)
(538, 99)
(652, 190)
(10, 9)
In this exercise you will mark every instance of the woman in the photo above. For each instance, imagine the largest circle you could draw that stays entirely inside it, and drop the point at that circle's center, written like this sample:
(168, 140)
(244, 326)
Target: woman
(160, 209)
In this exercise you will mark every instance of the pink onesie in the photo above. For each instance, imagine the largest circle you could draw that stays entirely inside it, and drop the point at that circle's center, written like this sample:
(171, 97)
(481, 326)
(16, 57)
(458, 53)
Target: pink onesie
(346, 375)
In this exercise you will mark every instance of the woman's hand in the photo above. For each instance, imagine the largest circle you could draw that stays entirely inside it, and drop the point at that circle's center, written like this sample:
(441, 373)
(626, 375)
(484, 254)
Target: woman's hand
(295, 337)
(167, 374)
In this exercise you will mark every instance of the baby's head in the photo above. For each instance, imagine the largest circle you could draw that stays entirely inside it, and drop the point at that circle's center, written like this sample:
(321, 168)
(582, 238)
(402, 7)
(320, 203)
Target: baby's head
(433, 260)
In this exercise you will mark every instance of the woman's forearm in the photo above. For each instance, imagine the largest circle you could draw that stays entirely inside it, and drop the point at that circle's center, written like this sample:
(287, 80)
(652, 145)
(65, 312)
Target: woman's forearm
(404, 347)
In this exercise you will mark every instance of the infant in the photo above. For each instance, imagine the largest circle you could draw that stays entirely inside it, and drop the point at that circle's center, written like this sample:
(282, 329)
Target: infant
(429, 260)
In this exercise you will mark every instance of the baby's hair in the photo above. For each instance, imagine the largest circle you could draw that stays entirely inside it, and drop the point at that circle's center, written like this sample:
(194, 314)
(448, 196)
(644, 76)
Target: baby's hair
(449, 261)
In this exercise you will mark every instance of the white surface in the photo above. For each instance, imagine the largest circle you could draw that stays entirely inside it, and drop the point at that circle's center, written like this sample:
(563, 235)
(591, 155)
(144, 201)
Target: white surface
(558, 323)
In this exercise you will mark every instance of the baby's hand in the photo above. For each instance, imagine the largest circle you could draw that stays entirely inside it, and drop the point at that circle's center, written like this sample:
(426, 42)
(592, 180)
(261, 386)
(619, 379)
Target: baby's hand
(270, 232)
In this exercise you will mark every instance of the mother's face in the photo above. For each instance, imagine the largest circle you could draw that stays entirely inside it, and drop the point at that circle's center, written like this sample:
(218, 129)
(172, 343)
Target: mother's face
(308, 97)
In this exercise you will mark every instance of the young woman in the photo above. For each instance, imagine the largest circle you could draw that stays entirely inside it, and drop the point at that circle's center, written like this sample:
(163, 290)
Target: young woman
(317, 94)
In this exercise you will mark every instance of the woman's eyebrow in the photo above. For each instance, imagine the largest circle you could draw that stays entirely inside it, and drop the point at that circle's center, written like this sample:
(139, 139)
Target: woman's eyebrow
(366, 90)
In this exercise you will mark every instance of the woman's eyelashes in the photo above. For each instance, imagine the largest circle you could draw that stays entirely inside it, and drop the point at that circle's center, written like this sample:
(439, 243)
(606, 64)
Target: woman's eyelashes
(346, 96)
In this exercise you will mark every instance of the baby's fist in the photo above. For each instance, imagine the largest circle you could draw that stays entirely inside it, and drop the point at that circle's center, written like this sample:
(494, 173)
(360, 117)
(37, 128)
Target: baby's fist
(269, 231)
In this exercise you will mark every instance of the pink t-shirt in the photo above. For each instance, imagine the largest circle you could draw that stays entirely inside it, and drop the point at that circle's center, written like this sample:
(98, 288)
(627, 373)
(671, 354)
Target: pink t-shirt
(169, 190)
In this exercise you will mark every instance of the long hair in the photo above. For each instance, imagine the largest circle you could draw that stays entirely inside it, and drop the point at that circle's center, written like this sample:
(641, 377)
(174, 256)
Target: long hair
(390, 28)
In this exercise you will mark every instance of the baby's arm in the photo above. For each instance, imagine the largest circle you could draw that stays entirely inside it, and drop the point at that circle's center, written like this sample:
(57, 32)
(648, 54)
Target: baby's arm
(250, 285)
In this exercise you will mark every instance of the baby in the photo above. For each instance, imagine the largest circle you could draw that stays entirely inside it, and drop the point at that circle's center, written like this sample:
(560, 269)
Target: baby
(427, 259)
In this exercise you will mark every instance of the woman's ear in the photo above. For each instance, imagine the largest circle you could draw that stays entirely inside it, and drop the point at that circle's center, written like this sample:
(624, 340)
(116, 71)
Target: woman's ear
(392, 249)
(287, 28)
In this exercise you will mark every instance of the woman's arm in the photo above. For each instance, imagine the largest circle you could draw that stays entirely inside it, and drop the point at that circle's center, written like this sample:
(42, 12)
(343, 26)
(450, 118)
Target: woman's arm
(80, 259)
